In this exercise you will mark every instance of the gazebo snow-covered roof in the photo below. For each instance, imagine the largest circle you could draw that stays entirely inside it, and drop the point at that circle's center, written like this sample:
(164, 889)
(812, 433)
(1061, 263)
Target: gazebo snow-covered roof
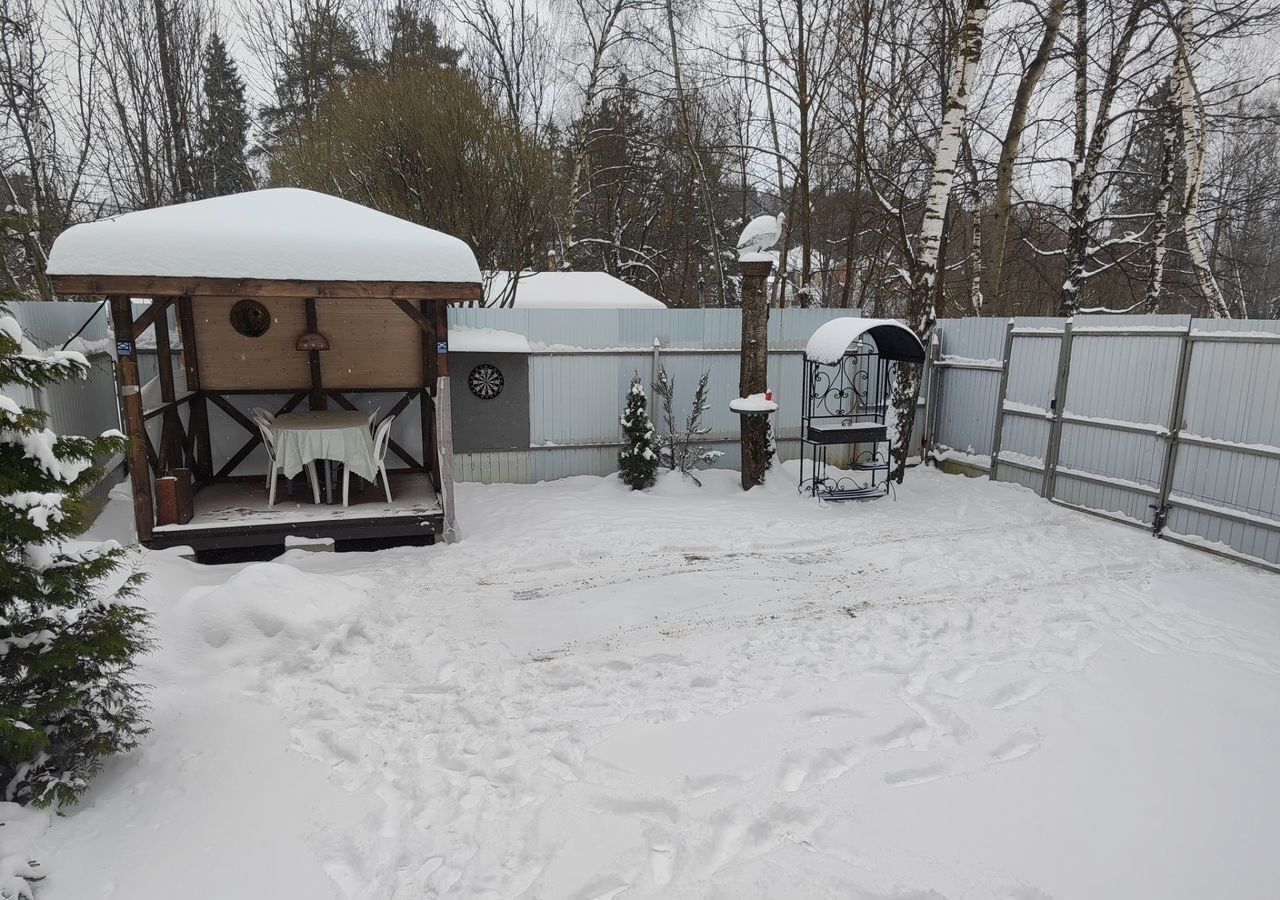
(894, 341)
(279, 234)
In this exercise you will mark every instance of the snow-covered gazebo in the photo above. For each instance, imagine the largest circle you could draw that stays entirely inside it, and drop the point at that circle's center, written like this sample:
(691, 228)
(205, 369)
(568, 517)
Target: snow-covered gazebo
(282, 300)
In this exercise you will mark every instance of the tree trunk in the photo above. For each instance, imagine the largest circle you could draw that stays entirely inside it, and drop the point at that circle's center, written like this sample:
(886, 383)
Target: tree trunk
(695, 159)
(1160, 221)
(753, 375)
(922, 314)
(1003, 203)
(170, 75)
(1195, 140)
(780, 277)
(591, 93)
(1090, 146)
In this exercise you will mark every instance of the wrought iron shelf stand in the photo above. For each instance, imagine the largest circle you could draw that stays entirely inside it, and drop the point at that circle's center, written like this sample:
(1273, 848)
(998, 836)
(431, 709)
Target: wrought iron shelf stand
(845, 406)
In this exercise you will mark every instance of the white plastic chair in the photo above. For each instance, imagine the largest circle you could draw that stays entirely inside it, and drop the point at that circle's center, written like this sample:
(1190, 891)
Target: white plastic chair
(381, 440)
(273, 465)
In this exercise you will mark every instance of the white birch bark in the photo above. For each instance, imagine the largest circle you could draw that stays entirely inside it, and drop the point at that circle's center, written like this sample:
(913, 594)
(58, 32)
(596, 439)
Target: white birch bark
(922, 315)
(1160, 221)
(1195, 140)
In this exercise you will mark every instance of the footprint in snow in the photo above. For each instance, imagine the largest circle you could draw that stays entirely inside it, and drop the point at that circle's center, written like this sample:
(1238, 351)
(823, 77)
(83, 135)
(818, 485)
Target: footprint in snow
(1015, 693)
(918, 775)
(662, 858)
(1017, 746)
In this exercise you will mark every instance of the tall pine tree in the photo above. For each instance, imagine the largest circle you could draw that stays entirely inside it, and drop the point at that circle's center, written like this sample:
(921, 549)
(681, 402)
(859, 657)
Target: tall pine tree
(68, 637)
(323, 52)
(224, 131)
(413, 41)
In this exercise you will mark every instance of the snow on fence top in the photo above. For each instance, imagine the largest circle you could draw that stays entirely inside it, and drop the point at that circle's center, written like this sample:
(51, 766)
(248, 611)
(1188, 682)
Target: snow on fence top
(568, 290)
(893, 340)
(276, 234)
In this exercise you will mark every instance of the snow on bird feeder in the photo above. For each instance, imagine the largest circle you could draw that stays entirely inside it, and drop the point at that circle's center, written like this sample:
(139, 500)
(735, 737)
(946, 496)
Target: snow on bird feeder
(754, 405)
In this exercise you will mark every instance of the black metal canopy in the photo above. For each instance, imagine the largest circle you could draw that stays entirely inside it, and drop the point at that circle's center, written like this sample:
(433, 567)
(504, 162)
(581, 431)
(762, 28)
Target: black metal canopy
(894, 341)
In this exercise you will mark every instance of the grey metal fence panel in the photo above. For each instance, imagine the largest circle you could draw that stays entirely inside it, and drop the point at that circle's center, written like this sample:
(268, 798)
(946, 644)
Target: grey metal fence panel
(85, 406)
(1026, 425)
(964, 412)
(52, 324)
(1116, 413)
(1226, 480)
(582, 361)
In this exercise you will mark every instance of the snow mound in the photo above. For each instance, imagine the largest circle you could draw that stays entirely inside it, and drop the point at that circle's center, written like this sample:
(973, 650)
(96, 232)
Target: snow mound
(20, 826)
(280, 233)
(264, 614)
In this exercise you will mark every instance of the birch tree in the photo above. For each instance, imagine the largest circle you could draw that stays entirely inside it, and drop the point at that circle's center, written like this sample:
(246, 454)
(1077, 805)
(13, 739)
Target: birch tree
(1195, 140)
(922, 276)
(1091, 143)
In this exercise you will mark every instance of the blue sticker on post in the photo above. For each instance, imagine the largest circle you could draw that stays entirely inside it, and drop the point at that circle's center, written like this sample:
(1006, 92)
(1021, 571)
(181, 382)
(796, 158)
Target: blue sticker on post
(124, 348)
(442, 346)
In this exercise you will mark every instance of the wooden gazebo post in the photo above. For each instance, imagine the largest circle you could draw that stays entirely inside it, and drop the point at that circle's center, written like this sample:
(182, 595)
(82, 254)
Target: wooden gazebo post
(131, 407)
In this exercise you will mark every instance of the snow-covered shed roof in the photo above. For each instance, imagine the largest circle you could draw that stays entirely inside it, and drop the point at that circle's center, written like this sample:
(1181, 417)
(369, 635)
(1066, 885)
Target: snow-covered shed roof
(275, 234)
(487, 340)
(893, 340)
(569, 290)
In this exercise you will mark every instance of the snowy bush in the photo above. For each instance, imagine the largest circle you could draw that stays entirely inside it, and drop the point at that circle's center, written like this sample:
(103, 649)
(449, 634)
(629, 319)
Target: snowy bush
(638, 458)
(68, 639)
(679, 449)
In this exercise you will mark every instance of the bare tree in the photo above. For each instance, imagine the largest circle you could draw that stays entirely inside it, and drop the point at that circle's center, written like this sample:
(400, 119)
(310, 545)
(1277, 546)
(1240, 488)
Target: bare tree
(45, 141)
(1011, 146)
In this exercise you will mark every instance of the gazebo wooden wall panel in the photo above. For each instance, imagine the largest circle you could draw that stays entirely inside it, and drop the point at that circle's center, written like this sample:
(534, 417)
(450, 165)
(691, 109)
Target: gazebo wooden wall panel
(372, 344)
(230, 361)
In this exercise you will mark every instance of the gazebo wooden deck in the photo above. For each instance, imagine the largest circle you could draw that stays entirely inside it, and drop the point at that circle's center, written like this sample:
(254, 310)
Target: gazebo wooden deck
(286, 300)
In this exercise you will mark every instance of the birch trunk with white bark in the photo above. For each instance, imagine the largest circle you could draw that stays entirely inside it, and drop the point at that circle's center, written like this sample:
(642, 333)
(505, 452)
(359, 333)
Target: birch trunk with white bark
(922, 314)
(1164, 201)
(1195, 140)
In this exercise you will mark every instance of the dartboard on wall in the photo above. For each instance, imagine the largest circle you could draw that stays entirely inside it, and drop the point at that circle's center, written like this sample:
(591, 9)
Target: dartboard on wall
(485, 381)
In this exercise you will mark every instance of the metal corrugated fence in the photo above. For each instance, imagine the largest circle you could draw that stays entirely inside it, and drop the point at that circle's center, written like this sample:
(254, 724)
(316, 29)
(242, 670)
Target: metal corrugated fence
(78, 407)
(581, 363)
(1165, 422)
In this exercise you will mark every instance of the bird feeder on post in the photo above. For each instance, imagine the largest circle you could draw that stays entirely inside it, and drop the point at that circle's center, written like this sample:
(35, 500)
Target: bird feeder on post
(755, 266)
(755, 269)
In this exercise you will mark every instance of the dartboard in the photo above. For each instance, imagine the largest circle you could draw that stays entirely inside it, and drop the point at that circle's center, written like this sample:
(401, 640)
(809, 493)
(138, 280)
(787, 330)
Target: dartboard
(485, 381)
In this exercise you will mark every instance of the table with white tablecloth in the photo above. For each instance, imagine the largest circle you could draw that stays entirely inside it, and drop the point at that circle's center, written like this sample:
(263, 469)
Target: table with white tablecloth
(338, 435)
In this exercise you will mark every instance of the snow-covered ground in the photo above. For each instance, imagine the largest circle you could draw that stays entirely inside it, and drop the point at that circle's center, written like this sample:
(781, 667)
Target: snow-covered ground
(966, 693)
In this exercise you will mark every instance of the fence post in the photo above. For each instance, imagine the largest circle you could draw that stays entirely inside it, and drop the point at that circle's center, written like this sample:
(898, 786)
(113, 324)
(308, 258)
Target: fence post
(1056, 406)
(932, 385)
(997, 432)
(1175, 430)
(657, 366)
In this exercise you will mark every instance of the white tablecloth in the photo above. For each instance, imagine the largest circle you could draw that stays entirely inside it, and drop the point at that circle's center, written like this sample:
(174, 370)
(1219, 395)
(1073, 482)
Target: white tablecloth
(340, 435)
